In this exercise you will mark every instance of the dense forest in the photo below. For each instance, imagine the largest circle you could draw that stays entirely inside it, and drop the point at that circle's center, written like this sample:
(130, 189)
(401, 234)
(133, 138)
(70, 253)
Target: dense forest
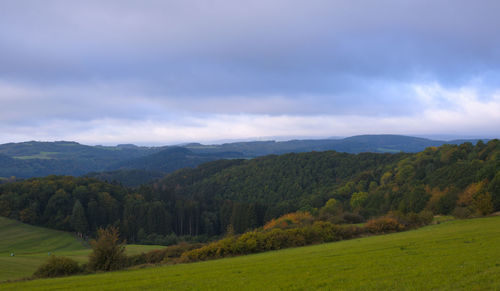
(238, 194)
(134, 165)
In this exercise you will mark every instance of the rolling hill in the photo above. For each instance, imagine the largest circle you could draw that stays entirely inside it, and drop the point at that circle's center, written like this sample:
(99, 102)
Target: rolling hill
(31, 246)
(37, 159)
(455, 255)
(354, 144)
(204, 201)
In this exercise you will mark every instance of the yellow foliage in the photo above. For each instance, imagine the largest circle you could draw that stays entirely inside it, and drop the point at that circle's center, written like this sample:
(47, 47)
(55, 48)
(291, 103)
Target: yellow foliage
(467, 197)
(476, 198)
(436, 194)
(386, 178)
(294, 219)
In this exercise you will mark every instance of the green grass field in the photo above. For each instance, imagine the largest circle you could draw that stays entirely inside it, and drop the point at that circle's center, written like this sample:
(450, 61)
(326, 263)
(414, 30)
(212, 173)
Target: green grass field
(454, 255)
(31, 245)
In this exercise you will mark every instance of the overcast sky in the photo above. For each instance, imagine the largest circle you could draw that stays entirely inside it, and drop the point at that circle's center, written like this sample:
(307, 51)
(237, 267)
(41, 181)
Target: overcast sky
(164, 72)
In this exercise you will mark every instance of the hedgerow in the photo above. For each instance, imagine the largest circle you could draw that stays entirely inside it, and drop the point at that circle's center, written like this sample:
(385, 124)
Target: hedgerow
(277, 238)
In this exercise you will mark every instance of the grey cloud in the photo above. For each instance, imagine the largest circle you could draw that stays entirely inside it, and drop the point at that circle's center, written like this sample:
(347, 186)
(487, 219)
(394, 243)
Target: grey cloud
(313, 38)
(161, 60)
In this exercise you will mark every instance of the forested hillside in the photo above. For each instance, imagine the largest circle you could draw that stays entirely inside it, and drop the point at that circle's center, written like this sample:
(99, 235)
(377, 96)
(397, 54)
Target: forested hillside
(171, 159)
(244, 194)
(354, 144)
(34, 159)
(127, 177)
(37, 159)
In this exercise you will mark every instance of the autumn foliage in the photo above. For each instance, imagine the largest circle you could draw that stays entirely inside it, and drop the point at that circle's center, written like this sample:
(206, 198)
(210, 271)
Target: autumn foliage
(272, 239)
(290, 220)
(383, 225)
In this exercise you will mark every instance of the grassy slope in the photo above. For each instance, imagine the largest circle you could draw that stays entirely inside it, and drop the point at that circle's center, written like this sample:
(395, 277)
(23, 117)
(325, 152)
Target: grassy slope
(453, 255)
(31, 245)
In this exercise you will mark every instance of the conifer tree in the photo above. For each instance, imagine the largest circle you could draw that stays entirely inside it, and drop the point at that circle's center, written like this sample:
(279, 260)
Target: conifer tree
(78, 218)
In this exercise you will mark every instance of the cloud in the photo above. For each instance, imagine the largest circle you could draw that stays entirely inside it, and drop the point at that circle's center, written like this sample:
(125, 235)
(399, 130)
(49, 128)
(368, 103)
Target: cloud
(181, 70)
(168, 40)
(464, 114)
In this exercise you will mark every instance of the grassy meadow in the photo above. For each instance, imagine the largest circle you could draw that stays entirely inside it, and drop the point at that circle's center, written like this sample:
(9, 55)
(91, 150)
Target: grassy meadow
(31, 245)
(453, 255)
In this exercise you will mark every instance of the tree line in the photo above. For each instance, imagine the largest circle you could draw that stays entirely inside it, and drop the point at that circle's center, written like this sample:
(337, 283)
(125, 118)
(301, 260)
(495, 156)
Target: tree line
(240, 195)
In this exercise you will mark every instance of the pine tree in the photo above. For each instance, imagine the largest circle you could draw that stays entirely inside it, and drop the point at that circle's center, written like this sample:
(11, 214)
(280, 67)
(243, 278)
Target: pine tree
(78, 218)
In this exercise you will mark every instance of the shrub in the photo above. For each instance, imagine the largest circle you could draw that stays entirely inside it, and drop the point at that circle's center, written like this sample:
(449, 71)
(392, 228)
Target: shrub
(290, 220)
(273, 239)
(108, 253)
(157, 239)
(461, 212)
(57, 267)
(165, 255)
(425, 217)
(349, 217)
(412, 219)
(383, 225)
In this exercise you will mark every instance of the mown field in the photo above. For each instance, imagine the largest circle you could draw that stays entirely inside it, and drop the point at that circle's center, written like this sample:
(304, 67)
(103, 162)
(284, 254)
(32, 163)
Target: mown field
(31, 246)
(454, 255)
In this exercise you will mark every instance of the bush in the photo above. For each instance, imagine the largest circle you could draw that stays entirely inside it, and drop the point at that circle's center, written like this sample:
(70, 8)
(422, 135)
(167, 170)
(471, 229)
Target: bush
(278, 236)
(165, 255)
(349, 217)
(158, 239)
(273, 239)
(108, 253)
(461, 212)
(57, 267)
(383, 225)
(425, 217)
(290, 220)
(412, 219)
(175, 252)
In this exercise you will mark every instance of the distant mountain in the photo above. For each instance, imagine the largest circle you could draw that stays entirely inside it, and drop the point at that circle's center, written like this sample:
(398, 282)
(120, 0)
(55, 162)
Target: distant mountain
(355, 144)
(384, 143)
(127, 162)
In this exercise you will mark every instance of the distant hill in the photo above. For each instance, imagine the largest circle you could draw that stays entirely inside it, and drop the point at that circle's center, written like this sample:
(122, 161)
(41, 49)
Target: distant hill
(171, 159)
(126, 177)
(355, 144)
(463, 180)
(34, 159)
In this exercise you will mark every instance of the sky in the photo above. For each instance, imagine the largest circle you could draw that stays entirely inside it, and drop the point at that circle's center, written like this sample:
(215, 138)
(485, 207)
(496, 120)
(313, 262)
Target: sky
(164, 72)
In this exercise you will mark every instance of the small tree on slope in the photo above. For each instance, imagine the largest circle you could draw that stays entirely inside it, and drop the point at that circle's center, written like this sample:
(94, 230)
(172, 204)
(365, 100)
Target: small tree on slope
(108, 252)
